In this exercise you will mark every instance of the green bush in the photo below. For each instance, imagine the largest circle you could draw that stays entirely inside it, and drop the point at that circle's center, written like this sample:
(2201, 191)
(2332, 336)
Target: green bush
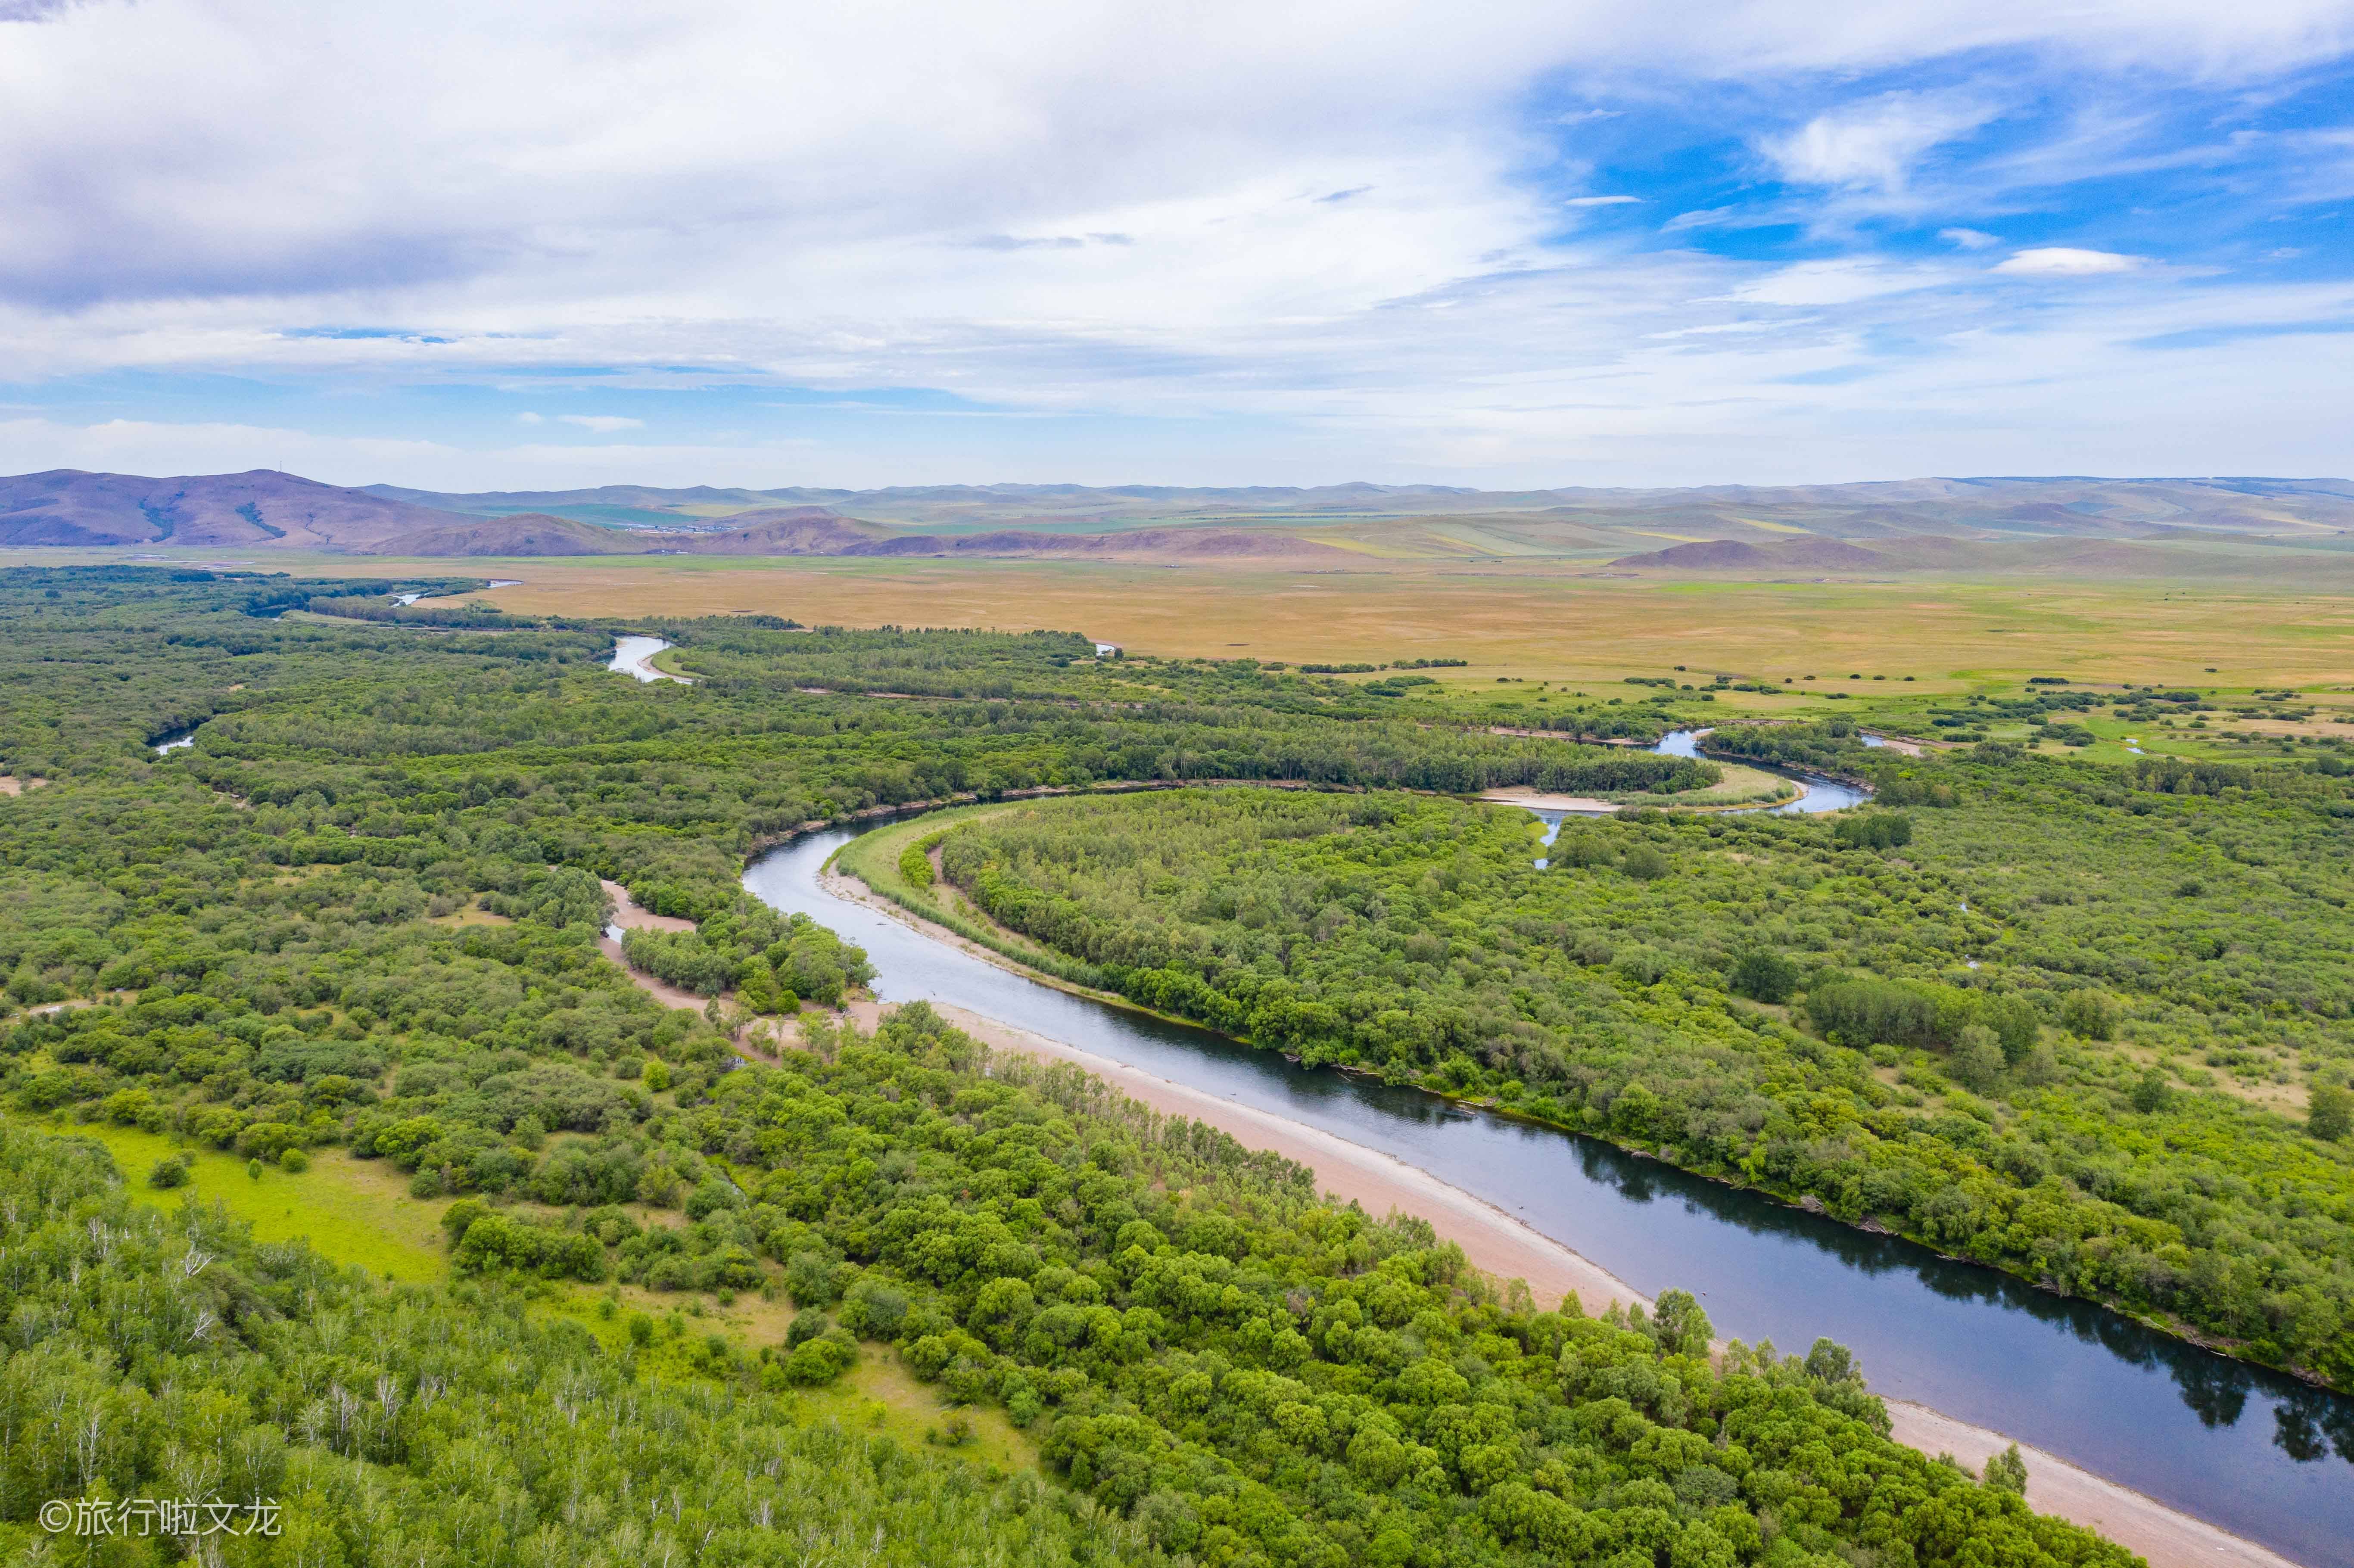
(820, 1360)
(2089, 1014)
(1763, 976)
(1874, 830)
(492, 1242)
(2329, 1111)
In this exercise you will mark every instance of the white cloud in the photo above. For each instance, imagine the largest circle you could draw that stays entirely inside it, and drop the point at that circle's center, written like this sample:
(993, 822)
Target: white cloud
(603, 424)
(1601, 200)
(2066, 262)
(156, 447)
(1840, 282)
(1874, 145)
(1969, 239)
(794, 194)
(528, 417)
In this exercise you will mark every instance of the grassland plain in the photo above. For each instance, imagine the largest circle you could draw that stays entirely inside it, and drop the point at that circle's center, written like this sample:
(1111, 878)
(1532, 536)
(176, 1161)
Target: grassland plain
(1533, 619)
(1525, 624)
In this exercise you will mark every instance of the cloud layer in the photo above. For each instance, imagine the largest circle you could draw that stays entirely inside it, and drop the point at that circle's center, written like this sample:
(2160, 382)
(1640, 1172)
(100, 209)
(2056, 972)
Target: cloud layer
(858, 242)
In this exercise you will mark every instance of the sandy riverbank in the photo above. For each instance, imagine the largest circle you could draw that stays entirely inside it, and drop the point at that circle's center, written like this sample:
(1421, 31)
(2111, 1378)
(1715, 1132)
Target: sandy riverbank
(627, 916)
(1538, 800)
(1499, 1244)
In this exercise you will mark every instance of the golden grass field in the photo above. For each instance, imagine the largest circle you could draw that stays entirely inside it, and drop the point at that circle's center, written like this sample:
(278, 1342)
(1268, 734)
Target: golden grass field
(1533, 623)
(1538, 620)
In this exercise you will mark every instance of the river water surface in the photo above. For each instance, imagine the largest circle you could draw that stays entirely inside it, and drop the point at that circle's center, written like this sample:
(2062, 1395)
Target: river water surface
(1815, 793)
(634, 655)
(2258, 1454)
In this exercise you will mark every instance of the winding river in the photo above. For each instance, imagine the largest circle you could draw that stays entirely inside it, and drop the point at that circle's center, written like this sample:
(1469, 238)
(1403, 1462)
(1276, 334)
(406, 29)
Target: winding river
(2257, 1453)
(1815, 793)
(635, 656)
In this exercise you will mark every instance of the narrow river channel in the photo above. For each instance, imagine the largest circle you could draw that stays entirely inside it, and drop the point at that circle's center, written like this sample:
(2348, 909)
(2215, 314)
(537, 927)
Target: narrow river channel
(2258, 1454)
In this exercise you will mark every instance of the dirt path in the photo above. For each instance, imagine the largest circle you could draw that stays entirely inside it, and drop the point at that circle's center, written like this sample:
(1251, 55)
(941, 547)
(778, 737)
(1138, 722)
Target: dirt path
(1538, 800)
(1499, 1244)
(627, 916)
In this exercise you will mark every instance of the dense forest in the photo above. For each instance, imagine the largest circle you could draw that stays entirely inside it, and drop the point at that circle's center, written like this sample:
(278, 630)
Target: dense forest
(360, 909)
(1217, 1368)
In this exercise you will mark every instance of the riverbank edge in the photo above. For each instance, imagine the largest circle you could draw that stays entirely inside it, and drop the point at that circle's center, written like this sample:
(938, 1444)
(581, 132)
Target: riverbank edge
(2172, 1328)
(1508, 1247)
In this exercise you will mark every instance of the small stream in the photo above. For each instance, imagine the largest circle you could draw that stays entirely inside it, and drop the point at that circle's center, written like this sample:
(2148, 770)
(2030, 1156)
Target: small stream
(1816, 794)
(406, 599)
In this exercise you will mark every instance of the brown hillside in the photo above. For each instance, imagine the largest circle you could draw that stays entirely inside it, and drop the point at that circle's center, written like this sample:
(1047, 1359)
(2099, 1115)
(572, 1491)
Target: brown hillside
(523, 533)
(1737, 555)
(261, 508)
(776, 531)
(1141, 543)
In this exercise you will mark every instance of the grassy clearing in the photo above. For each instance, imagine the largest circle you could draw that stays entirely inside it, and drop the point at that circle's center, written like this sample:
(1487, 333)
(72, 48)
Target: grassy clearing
(877, 1395)
(354, 1211)
(472, 916)
(1740, 786)
(880, 1394)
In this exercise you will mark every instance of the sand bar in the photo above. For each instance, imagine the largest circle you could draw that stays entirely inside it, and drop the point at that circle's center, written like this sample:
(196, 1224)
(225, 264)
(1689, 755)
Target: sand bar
(1538, 800)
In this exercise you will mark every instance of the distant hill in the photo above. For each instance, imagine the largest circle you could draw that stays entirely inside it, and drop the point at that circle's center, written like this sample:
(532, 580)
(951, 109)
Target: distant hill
(260, 510)
(1143, 543)
(1735, 555)
(1992, 507)
(2067, 556)
(1997, 523)
(516, 534)
(776, 531)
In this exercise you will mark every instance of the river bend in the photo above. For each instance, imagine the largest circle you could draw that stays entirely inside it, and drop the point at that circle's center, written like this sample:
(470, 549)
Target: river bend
(2257, 1453)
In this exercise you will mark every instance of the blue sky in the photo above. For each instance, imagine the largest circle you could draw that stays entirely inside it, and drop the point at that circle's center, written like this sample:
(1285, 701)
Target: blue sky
(1570, 243)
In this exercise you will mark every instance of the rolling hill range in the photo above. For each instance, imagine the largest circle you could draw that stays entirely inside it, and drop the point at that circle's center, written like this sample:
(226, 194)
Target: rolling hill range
(2114, 526)
(1992, 507)
(260, 510)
